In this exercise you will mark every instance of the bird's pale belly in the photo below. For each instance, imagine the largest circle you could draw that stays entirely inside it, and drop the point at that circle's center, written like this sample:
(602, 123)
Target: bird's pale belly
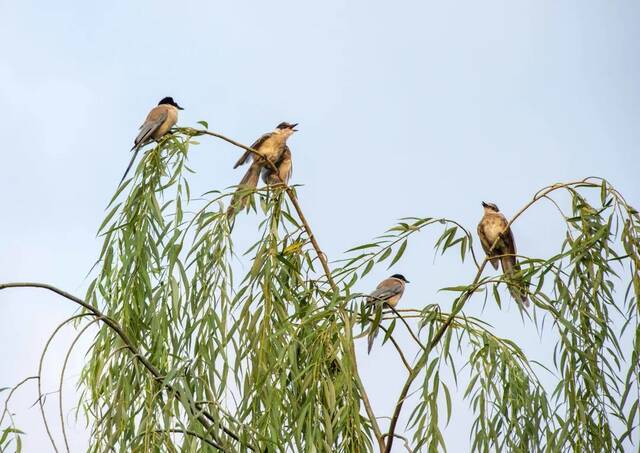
(163, 129)
(393, 301)
(493, 230)
(172, 119)
(271, 149)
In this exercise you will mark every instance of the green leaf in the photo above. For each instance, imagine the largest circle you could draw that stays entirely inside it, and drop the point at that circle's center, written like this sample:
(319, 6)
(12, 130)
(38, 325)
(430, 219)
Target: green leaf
(363, 247)
(399, 253)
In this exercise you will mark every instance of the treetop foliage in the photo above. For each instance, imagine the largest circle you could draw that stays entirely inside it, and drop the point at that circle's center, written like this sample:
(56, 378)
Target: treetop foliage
(196, 353)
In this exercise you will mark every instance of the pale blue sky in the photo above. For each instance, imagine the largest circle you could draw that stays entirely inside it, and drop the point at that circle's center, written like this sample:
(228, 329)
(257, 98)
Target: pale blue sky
(413, 108)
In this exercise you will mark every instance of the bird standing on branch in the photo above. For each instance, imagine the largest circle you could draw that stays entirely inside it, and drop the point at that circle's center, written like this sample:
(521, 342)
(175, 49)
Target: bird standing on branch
(494, 227)
(159, 121)
(388, 292)
(274, 152)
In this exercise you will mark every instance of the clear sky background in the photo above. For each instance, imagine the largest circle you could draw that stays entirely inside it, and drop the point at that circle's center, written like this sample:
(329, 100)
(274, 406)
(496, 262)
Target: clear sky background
(418, 108)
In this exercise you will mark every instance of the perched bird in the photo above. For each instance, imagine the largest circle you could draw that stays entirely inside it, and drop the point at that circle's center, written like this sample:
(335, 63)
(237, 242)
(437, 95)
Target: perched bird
(160, 119)
(389, 292)
(492, 227)
(273, 147)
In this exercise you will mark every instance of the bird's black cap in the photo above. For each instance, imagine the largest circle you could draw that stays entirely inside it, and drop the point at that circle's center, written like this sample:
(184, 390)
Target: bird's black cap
(490, 205)
(285, 125)
(169, 100)
(400, 277)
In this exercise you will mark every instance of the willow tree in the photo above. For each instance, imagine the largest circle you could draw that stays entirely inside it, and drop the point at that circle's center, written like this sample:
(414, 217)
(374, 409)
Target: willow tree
(193, 354)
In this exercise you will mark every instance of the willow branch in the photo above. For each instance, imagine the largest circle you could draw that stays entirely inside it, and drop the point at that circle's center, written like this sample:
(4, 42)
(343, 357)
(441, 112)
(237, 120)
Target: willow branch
(40, 365)
(468, 234)
(62, 372)
(405, 362)
(185, 432)
(425, 355)
(406, 324)
(345, 317)
(202, 416)
(393, 341)
(543, 194)
(463, 300)
(327, 272)
(6, 402)
(406, 441)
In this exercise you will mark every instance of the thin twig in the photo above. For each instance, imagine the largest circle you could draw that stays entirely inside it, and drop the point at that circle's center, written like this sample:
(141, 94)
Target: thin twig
(6, 402)
(393, 341)
(405, 362)
(406, 441)
(40, 365)
(64, 367)
(406, 324)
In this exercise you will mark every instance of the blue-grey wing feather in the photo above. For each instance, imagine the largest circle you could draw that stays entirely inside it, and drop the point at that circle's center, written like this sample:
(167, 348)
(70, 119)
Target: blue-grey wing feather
(384, 293)
(148, 128)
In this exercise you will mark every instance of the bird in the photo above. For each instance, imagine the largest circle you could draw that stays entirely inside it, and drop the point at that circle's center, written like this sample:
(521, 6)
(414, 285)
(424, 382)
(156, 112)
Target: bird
(388, 292)
(160, 119)
(494, 227)
(273, 147)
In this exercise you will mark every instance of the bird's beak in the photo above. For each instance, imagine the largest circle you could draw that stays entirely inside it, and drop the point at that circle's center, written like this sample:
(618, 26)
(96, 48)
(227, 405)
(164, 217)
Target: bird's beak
(485, 205)
(407, 281)
(178, 107)
(293, 127)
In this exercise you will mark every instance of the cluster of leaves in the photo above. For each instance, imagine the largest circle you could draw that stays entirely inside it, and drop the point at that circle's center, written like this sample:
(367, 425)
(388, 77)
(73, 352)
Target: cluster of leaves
(264, 360)
(202, 350)
(590, 407)
(10, 435)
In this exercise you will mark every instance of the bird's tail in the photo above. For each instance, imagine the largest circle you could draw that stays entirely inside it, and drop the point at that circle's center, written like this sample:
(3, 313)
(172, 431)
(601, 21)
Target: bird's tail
(375, 325)
(517, 285)
(133, 158)
(249, 181)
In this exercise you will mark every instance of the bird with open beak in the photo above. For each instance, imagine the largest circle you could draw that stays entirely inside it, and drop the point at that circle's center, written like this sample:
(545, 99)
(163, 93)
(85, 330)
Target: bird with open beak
(159, 121)
(274, 152)
(494, 227)
(388, 292)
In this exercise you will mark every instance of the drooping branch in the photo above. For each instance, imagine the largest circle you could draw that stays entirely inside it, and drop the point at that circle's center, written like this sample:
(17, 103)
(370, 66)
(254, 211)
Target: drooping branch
(425, 355)
(61, 380)
(457, 308)
(441, 329)
(326, 270)
(6, 410)
(202, 416)
(41, 396)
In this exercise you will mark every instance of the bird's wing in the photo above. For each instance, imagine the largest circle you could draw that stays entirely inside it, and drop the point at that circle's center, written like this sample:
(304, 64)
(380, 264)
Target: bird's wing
(517, 285)
(285, 168)
(245, 157)
(386, 290)
(509, 241)
(156, 117)
(486, 245)
(256, 145)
